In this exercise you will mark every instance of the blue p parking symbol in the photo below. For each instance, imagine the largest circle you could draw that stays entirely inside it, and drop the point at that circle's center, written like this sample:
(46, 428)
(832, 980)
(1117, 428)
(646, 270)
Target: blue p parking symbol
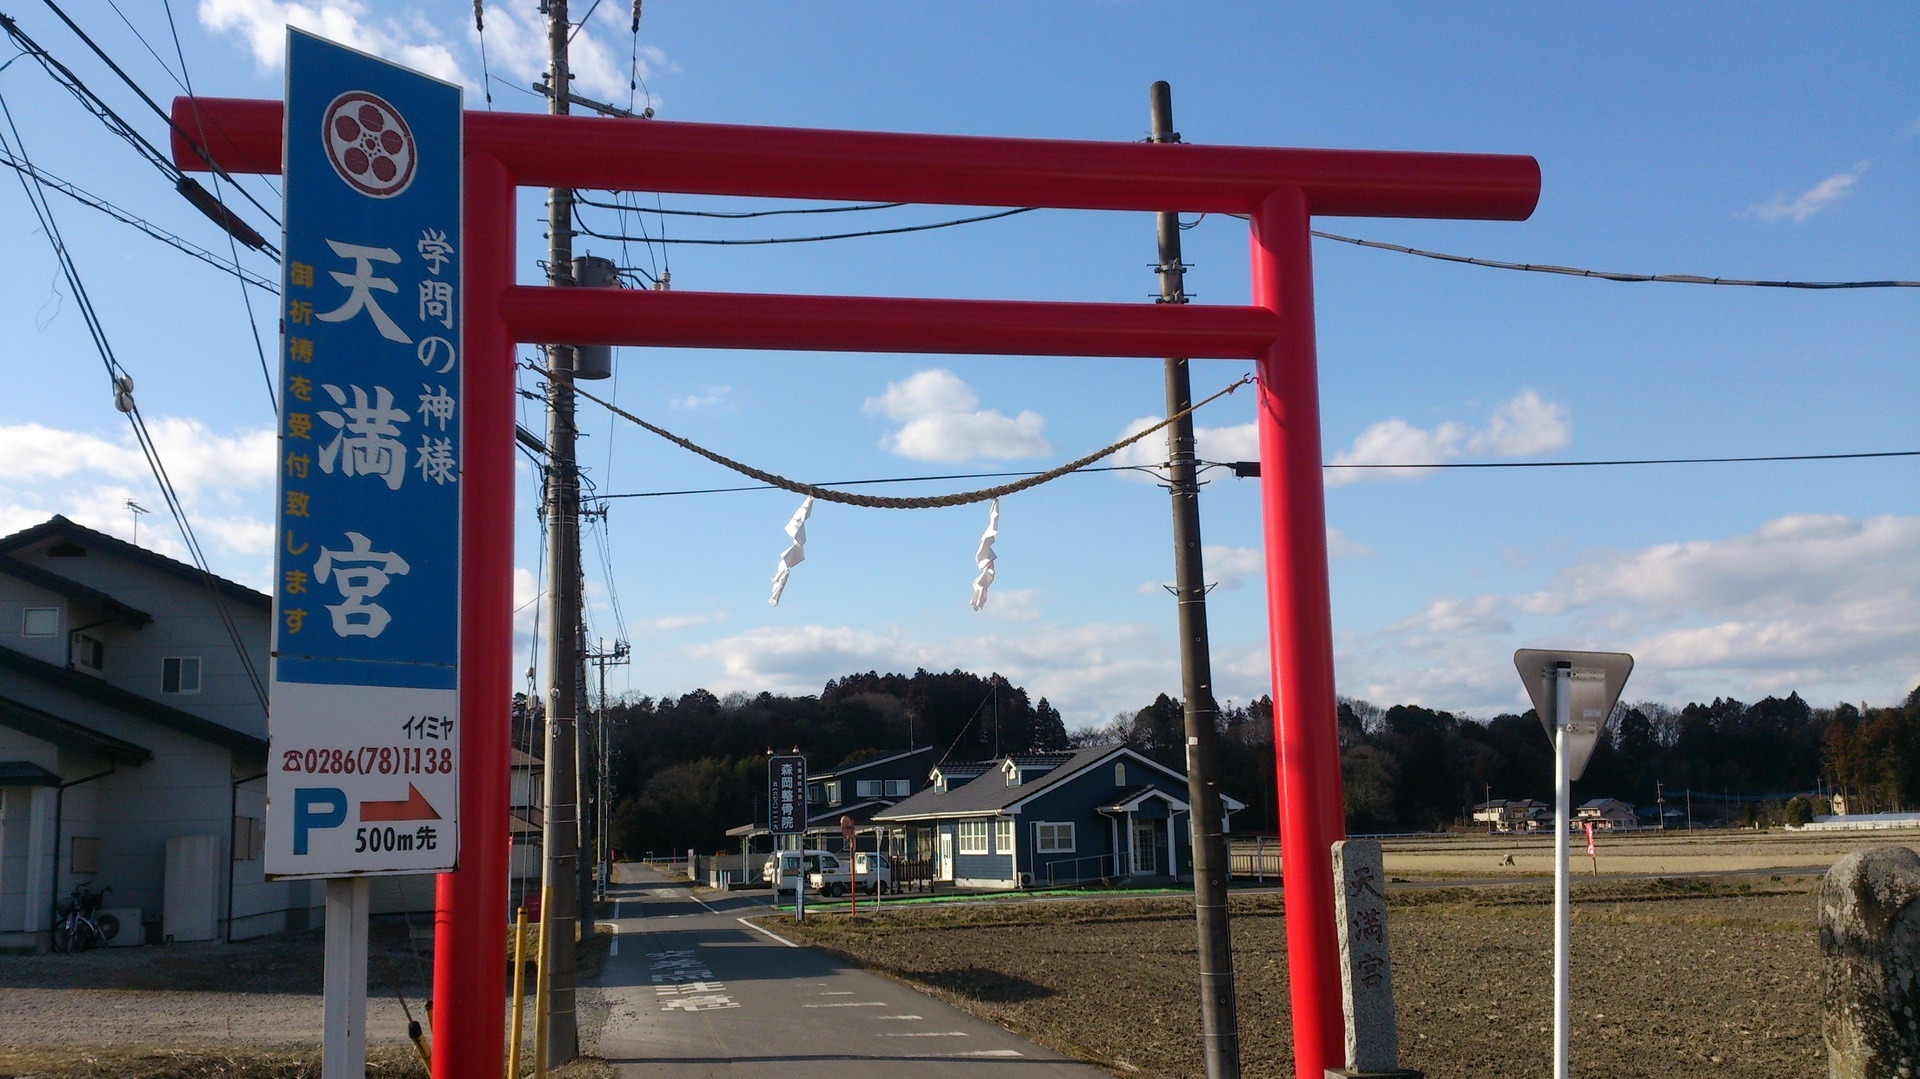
(316, 807)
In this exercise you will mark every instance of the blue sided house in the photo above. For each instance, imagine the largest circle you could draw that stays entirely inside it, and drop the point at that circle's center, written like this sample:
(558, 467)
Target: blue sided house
(1103, 813)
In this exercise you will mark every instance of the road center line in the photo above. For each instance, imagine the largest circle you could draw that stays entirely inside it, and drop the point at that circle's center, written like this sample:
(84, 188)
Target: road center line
(850, 1004)
(927, 1034)
(896, 1017)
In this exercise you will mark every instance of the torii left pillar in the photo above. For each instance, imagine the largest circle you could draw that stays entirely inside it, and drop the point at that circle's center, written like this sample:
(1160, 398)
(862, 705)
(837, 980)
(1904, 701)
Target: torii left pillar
(1280, 190)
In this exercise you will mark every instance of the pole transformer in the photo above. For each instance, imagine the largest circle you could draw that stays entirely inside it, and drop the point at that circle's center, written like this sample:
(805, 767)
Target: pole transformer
(1218, 1020)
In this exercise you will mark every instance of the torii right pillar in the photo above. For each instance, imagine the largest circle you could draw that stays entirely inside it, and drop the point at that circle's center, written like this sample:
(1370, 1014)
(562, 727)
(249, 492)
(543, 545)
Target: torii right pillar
(1299, 617)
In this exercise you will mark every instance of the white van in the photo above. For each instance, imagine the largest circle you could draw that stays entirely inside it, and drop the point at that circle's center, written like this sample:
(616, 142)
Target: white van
(785, 869)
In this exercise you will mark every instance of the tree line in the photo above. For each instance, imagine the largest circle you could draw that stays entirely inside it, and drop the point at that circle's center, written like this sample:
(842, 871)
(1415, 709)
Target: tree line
(686, 769)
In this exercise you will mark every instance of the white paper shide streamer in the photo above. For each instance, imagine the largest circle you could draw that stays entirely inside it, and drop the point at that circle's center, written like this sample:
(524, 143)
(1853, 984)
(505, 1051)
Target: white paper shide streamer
(796, 551)
(983, 556)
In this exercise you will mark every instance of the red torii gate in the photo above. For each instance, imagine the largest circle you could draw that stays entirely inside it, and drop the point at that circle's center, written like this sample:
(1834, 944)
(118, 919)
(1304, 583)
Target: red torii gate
(1280, 190)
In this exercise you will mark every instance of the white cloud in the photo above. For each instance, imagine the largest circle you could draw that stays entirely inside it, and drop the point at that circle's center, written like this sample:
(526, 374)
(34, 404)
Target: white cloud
(195, 457)
(516, 40)
(1526, 424)
(1820, 196)
(405, 39)
(1013, 605)
(940, 420)
(1240, 442)
(1825, 605)
(1232, 568)
(713, 398)
(669, 623)
(1088, 672)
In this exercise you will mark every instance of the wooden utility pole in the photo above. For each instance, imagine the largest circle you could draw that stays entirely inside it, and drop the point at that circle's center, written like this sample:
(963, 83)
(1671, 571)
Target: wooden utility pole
(1219, 1023)
(560, 833)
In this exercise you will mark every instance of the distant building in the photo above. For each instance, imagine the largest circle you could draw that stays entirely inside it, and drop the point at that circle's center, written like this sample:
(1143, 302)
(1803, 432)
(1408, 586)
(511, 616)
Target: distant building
(1514, 814)
(1607, 814)
(1099, 813)
(858, 790)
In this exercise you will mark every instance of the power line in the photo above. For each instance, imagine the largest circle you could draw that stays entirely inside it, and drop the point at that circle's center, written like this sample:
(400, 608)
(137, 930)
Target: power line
(1250, 469)
(996, 215)
(744, 215)
(87, 198)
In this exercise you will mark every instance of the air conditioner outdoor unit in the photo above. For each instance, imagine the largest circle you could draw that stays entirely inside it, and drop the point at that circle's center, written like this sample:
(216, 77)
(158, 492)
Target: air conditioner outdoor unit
(121, 927)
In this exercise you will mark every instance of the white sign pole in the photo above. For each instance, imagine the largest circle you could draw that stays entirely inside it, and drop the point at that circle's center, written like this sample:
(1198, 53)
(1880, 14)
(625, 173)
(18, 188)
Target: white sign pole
(344, 1048)
(1562, 813)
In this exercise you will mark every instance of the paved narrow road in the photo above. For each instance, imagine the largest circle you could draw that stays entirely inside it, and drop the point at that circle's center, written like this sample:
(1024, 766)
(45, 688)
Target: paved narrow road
(693, 991)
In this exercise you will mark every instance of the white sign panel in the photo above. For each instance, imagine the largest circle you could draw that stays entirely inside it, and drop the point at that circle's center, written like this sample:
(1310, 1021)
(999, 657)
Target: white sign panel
(1595, 681)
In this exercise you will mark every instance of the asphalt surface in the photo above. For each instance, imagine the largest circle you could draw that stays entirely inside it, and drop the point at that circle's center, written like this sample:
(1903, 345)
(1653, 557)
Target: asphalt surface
(694, 991)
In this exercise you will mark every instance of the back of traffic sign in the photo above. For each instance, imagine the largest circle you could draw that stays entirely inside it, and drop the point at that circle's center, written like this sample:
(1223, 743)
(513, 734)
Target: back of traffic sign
(1595, 682)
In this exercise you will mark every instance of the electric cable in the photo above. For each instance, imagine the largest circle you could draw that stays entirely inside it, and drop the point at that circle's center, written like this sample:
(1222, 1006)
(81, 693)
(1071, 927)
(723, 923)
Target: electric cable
(762, 241)
(116, 373)
(87, 198)
(897, 503)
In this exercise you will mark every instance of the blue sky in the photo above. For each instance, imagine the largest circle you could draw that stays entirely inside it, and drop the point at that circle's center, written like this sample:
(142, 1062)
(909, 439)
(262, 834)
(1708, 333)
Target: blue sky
(1762, 141)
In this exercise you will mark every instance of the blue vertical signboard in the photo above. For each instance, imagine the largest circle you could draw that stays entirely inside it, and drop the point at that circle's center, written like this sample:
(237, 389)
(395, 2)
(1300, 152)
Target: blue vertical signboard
(363, 776)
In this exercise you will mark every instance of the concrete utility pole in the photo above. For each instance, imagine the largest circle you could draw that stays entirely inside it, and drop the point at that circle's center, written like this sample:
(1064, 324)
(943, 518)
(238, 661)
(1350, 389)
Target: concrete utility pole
(1219, 1023)
(560, 836)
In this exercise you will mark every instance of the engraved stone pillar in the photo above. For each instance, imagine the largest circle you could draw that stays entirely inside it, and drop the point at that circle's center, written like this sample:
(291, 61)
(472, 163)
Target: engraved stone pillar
(1366, 975)
(1870, 949)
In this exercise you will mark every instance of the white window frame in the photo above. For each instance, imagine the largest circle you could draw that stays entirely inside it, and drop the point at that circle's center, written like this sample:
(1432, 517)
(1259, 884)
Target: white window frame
(970, 837)
(866, 788)
(181, 665)
(1041, 837)
(833, 792)
(1119, 773)
(898, 788)
(27, 622)
(84, 645)
(1003, 836)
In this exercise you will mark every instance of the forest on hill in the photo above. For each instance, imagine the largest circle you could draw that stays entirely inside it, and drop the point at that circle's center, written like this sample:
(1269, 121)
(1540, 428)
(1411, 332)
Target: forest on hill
(686, 769)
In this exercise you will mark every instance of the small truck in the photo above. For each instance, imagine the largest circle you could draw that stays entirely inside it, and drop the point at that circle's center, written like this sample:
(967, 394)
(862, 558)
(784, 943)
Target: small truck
(873, 871)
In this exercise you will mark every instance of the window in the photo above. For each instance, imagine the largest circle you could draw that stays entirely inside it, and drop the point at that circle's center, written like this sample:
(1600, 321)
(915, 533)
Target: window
(85, 854)
(249, 838)
(833, 793)
(89, 651)
(817, 793)
(1119, 773)
(1003, 836)
(180, 674)
(1013, 775)
(1054, 838)
(40, 622)
(899, 788)
(866, 788)
(973, 837)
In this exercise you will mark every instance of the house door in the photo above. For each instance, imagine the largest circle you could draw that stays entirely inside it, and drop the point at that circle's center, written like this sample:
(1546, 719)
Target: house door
(1146, 834)
(944, 871)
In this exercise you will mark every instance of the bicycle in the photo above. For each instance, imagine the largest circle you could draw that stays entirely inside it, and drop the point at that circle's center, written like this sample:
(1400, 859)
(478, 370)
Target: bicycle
(80, 925)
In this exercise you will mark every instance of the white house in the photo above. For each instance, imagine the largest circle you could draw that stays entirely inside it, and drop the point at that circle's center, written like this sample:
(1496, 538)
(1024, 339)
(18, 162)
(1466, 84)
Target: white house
(1607, 814)
(133, 741)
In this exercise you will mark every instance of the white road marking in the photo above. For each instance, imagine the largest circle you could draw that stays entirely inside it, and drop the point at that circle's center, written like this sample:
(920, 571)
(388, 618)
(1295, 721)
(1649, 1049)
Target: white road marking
(613, 948)
(837, 993)
(928, 1034)
(768, 932)
(850, 1004)
(896, 1017)
(990, 1053)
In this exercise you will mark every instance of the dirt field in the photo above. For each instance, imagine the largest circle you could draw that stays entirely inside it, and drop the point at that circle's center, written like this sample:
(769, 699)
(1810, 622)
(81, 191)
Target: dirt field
(1669, 978)
(1703, 977)
(1671, 853)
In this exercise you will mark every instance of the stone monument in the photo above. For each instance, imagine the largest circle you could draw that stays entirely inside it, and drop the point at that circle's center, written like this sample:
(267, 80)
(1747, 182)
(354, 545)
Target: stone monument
(1366, 973)
(1870, 951)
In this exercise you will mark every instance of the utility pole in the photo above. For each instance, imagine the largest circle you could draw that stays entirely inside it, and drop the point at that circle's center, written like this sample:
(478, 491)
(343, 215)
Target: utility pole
(603, 657)
(1219, 1024)
(560, 836)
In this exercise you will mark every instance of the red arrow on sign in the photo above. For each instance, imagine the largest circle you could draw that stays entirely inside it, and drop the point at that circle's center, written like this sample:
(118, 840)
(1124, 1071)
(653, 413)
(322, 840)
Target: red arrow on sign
(414, 807)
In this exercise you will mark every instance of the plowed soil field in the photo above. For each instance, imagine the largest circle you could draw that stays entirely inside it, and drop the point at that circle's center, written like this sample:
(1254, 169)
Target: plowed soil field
(1670, 977)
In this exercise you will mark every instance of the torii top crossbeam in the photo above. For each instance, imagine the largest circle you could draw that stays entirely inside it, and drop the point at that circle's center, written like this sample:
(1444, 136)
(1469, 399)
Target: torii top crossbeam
(1280, 191)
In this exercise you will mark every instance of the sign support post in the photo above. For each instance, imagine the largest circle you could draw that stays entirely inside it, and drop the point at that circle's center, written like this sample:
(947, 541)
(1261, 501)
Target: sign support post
(344, 1041)
(1573, 693)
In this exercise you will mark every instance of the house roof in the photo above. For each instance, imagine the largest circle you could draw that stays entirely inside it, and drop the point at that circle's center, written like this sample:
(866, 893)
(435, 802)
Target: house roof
(1130, 800)
(982, 798)
(74, 590)
(26, 774)
(133, 703)
(62, 528)
(871, 762)
(67, 734)
(1601, 804)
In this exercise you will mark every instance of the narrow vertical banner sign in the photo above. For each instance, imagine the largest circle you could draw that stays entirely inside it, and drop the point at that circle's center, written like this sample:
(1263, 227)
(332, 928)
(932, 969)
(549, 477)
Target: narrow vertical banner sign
(364, 769)
(787, 794)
